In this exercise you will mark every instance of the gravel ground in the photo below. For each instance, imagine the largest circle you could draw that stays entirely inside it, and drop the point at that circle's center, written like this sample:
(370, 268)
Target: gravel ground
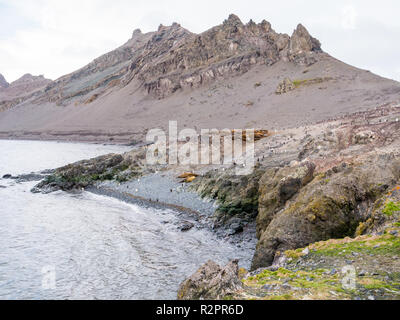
(164, 188)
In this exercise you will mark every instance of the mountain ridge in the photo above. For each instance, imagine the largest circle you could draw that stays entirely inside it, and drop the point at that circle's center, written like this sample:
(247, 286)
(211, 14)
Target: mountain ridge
(172, 71)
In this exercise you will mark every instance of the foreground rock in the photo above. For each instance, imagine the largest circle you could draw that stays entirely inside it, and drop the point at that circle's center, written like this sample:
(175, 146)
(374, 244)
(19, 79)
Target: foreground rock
(366, 267)
(331, 206)
(211, 282)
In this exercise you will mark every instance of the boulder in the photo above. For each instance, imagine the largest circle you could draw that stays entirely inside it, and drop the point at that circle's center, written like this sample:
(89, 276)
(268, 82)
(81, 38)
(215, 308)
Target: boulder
(285, 86)
(186, 226)
(211, 282)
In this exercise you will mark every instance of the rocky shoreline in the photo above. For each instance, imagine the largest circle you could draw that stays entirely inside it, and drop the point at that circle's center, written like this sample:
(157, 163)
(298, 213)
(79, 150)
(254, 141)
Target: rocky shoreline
(321, 198)
(187, 211)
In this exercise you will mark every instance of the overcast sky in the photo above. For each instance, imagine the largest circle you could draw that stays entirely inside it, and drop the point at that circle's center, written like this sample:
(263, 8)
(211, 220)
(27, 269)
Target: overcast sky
(56, 37)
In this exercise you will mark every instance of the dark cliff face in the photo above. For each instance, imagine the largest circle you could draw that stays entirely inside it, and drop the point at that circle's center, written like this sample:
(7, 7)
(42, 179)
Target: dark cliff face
(173, 58)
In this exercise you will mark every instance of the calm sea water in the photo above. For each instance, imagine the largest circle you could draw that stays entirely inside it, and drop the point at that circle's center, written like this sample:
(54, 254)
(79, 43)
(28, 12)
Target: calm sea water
(85, 246)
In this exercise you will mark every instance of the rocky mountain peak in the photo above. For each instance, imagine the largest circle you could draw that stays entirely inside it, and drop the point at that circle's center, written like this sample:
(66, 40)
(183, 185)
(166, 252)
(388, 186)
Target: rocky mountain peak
(28, 78)
(233, 20)
(3, 83)
(174, 26)
(166, 37)
(177, 58)
(136, 33)
(173, 58)
(266, 26)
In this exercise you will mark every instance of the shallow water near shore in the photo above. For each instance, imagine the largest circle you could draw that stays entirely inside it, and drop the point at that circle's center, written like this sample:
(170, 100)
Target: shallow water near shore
(98, 247)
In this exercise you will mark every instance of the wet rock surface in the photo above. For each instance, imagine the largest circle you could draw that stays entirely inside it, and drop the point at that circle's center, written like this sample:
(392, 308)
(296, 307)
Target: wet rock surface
(83, 174)
(236, 196)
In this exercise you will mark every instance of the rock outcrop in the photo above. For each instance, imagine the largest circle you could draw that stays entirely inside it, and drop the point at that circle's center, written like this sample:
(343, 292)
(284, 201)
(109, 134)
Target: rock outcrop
(86, 173)
(302, 45)
(82, 174)
(237, 196)
(211, 281)
(329, 207)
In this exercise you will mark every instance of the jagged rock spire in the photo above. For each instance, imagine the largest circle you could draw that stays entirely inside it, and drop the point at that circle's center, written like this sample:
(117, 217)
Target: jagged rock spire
(301, 41)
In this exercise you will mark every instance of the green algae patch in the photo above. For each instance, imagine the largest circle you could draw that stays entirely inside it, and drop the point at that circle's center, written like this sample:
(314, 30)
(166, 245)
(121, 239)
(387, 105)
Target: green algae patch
(376, 245)
(282, 297)
(284, 284)
(294, 254)
(298, 83)
(376, 284)
(305, 82)
(391, 208)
